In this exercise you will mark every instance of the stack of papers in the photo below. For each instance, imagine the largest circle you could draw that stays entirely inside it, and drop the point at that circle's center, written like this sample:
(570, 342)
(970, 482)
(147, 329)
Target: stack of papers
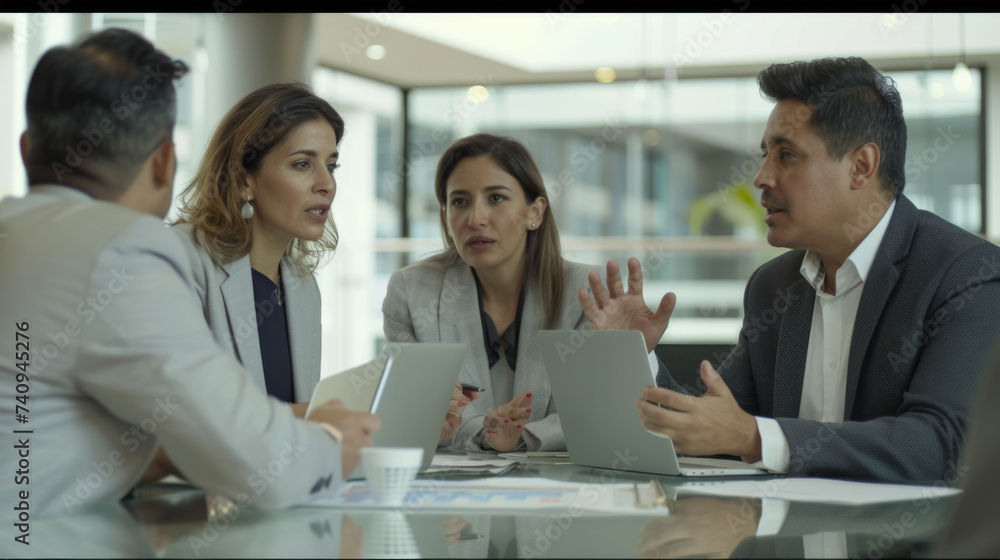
(548, 457)
(507, 494)
(467, 466)
(818, 490)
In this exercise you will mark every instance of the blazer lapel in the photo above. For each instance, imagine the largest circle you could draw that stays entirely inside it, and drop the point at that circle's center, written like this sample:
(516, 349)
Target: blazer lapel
(237, 292)
(793, 344)
(300, 329)
(878, 288)
(458, 321)
(530, 369)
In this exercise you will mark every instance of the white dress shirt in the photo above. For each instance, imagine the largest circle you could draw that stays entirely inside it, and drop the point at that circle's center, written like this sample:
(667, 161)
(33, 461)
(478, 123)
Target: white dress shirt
(825, 379)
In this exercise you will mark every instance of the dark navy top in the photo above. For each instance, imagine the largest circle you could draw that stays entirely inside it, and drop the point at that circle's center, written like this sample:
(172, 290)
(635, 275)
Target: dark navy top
(490, 335)
(272, 331)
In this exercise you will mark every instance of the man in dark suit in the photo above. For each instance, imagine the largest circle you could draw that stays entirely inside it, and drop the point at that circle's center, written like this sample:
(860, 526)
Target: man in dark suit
(861, 349)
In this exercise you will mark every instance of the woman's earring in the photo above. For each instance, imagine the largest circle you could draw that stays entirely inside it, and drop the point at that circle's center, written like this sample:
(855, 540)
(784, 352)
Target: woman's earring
(247, 210)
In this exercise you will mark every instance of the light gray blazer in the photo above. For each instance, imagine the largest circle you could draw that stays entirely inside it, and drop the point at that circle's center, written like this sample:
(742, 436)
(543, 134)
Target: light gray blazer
(226, 294)
(430, 302)
(121, 361)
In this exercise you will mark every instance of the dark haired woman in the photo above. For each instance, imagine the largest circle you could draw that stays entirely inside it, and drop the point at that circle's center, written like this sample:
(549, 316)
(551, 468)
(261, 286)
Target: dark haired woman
(500, 279)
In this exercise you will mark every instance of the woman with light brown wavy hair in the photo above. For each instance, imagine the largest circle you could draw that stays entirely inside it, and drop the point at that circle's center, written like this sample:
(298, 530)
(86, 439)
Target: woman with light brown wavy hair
(256, 218)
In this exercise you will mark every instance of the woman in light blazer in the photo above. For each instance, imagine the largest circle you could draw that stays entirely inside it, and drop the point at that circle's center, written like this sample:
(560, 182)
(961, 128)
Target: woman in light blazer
(499, 281)
(256, 218)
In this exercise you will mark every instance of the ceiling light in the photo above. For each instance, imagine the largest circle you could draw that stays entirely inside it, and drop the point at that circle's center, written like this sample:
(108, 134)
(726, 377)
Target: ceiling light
(605, 74)
(375, 52)
(961, 77)
(477, 94)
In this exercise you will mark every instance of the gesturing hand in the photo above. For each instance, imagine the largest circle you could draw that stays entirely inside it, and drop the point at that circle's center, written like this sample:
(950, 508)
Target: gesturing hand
(616, 310)
(708, 425)
(505, 424)
(453, 418)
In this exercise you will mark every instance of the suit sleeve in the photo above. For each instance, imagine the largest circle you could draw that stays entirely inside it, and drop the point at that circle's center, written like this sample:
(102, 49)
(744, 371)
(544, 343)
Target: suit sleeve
(150, 355)
(923, 440)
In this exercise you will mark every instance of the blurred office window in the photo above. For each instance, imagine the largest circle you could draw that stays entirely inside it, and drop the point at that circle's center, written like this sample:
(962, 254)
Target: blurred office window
(634, 168)
(176, 35)
(12, 181)
(653, 169)
(366, 211)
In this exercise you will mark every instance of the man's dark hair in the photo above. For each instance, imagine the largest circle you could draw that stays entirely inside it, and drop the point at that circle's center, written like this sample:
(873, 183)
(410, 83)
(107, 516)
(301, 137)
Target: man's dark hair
(853, 104)
(97, 110)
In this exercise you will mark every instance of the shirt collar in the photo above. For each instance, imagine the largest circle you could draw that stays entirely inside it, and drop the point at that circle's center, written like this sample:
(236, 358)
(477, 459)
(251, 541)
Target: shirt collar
(861, 259)
(490, 335)
(61, 191)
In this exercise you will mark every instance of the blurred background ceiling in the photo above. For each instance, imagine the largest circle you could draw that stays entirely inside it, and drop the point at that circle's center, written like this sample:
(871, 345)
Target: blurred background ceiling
(535, 48)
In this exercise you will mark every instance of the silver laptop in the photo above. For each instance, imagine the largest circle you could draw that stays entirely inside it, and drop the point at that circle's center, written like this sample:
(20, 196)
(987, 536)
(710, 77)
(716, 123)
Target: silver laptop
(409, 387)
(596, 376)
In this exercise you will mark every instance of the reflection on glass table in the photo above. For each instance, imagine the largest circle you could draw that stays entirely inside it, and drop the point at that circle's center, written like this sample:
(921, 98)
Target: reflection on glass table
(187, 523)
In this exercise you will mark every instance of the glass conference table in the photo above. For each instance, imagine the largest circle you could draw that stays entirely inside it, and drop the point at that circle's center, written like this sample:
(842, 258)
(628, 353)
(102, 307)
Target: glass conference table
(185, 522)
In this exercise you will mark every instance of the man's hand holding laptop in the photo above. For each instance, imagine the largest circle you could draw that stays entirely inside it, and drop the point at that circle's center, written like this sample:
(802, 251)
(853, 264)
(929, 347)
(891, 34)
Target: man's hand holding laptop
(708, 425)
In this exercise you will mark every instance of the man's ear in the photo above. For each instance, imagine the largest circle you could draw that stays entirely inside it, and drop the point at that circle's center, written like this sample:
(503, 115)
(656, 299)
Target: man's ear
(164, 165)
(866, 162)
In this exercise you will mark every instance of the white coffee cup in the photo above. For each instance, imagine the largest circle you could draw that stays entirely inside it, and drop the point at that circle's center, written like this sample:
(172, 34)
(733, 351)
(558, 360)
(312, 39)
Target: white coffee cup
(390, 470)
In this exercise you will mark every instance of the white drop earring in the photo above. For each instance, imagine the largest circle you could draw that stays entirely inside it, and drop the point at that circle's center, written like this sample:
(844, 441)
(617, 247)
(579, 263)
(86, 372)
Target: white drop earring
(247, 210)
